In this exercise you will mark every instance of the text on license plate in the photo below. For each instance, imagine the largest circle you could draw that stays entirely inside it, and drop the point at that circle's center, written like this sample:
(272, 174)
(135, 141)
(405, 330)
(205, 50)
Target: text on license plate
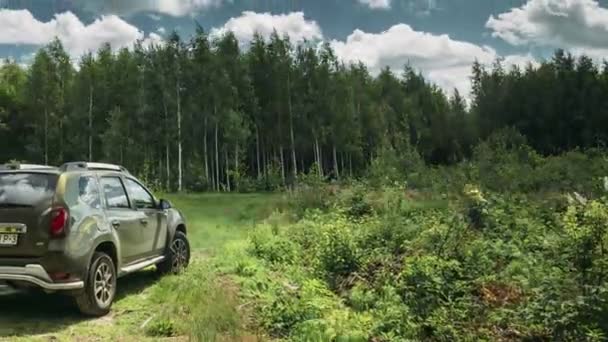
(8, 239)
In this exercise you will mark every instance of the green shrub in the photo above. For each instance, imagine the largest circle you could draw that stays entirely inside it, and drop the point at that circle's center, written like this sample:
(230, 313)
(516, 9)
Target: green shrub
(338, 252)
(268, 244)
(386, 169)
(311, 192)
(386, 264)
(160, 328)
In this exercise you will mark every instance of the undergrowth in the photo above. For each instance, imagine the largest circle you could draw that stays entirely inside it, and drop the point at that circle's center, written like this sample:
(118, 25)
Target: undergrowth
(372, 266)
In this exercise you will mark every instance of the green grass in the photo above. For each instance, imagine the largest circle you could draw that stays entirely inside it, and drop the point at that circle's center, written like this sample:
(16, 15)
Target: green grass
(200, 303)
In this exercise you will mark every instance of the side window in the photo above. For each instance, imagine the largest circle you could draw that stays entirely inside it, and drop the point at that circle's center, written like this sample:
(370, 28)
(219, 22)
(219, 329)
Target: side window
(114, 192)
(88, 192)
(141, 197)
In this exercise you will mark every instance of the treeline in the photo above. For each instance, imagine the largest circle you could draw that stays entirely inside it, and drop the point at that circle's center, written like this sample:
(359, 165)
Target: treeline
(205, 114)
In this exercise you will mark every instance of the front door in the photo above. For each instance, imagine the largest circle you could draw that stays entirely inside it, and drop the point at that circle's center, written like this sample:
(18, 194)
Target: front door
(153, 221)
(123, 218)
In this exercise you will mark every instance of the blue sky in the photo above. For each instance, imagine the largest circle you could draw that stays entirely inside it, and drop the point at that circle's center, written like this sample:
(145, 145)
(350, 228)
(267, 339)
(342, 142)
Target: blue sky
(439, 37)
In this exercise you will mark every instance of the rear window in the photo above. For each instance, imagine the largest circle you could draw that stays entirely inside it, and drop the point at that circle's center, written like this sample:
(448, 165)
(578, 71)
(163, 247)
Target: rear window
(26, 189)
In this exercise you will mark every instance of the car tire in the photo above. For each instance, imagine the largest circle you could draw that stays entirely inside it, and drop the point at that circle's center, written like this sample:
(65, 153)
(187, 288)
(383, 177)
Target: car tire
(99, 287)
(177, 256)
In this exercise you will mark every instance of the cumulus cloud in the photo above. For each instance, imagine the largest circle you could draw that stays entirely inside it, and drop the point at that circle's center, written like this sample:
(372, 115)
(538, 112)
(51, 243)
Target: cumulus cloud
(445, 61)
(574, 24)
(293, 24)
(169, 7)
(20, 27)
(377, 4)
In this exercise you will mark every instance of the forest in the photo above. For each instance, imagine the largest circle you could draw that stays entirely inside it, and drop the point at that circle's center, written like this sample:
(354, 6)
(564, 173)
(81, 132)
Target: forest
(210, 114)
(410, 213)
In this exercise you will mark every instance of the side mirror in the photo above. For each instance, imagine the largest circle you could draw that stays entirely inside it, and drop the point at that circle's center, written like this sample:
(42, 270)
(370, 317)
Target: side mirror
(164, 204)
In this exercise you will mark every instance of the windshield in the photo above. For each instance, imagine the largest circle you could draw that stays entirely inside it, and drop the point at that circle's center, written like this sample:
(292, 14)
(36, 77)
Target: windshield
(25, 189)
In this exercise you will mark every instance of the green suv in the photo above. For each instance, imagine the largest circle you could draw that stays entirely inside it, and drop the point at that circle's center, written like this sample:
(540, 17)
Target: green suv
(79, 227)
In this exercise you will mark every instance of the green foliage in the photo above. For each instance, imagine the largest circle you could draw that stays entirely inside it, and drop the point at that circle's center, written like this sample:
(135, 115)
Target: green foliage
(506, 162)
(490, 266)
(198, 303)
(385, 169)
(269, 245)
(311, 192)
(160, 328)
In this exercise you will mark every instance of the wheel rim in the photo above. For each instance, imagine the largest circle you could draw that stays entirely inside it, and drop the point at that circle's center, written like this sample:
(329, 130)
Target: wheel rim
(179, 251)
(104, 285)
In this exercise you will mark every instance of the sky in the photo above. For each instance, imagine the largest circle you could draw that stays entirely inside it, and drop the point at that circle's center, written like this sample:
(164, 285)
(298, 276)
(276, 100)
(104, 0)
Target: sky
(440, 38)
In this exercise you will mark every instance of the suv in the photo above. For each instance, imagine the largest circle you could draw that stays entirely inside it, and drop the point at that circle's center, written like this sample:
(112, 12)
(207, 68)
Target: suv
(77, 228)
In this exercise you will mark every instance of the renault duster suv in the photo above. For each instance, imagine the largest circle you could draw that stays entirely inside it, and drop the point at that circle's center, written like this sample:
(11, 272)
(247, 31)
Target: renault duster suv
(79, 227)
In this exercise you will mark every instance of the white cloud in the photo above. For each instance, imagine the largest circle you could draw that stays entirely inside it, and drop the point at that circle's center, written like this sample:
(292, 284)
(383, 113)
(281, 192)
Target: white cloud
(377, 4)
(294, 24)
(169, 7)
(20, 27)
(183, 7)
(153, 39)
(572, 24)
(154, 17)
(445, 61)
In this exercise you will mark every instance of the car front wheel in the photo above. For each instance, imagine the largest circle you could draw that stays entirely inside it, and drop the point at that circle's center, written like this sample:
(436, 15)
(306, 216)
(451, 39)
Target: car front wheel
(100, 286)
(177, 256)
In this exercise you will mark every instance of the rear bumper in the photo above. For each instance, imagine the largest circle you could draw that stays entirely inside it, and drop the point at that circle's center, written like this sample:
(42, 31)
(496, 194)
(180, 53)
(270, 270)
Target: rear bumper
(36, 275)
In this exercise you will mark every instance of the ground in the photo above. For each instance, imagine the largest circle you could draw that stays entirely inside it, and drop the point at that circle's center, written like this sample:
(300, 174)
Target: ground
(213, 221)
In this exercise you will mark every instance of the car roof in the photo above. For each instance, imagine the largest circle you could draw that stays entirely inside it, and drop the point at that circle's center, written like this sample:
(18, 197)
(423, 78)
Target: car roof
(29, 168)
(67, 167)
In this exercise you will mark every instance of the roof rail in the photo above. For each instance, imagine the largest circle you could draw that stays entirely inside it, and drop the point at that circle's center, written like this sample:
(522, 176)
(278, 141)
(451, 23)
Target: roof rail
(19, 166)
(93, 166)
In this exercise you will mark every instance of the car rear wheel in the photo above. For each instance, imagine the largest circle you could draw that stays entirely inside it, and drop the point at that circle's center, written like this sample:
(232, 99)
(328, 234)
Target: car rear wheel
(100, 287)
(177, 256)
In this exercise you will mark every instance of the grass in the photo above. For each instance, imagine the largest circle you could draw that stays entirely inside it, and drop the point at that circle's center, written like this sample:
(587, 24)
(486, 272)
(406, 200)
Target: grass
(200, 303)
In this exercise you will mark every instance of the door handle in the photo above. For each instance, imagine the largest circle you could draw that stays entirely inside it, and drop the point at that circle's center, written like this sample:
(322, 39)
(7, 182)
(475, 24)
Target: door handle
(144, 222)
(115, 224)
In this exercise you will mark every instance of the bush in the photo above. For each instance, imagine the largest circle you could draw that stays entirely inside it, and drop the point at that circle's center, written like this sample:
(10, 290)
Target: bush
(161, 328)
(268, 244)
(311, 192)
(508, 258)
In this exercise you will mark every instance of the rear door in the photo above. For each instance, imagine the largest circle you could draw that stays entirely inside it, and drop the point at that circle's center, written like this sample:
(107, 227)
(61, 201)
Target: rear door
(122, 217)
(26, 200)
(153, 221)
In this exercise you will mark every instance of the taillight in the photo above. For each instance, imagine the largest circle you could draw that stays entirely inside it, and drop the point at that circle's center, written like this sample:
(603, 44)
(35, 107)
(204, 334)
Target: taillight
(59, 221)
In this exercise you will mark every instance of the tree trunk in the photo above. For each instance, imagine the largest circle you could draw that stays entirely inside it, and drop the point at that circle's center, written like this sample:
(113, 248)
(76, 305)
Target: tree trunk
(61, 138)
(264, 162)
(212, 173)
(205, 150)
(319, 157)
(217, 154)
(336, 170)
(46, 136)
(179, 136)
(257, 150)
(350, 165)
(281, 155)
(236, 167)
(342, 161)
(291, 133)
(314, 150)
(91, 123)
(227, 169)
(167, 150)
(122, 145)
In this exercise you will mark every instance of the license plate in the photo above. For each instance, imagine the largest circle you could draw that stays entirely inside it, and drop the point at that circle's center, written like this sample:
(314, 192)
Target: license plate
(12, 228)
(8, 239)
